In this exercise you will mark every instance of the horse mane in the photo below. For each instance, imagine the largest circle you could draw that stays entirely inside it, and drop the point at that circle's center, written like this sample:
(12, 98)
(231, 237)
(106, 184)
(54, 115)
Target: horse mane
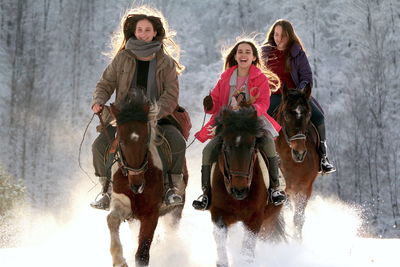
(243, 120)
(134, 108)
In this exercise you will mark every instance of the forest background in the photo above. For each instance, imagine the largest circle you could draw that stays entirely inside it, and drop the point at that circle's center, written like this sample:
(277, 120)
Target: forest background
(52, 55)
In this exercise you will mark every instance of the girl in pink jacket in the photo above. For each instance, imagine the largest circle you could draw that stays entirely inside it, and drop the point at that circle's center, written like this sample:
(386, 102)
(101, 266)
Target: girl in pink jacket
(243, 75)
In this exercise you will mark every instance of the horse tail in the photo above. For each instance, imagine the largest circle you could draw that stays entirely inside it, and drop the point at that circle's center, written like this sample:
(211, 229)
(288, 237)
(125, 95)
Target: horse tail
(273, 229)
(278, 233)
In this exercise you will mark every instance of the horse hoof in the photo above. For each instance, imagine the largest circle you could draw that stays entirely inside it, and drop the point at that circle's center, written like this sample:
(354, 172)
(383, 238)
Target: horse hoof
(120, 265)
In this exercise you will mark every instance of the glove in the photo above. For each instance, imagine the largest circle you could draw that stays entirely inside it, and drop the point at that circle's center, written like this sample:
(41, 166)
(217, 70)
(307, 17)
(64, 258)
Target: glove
(207, 103)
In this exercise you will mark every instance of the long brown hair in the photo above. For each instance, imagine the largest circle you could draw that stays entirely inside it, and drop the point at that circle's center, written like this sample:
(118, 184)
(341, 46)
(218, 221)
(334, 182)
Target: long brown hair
(288, 30)
(230, 61)
(164, 34)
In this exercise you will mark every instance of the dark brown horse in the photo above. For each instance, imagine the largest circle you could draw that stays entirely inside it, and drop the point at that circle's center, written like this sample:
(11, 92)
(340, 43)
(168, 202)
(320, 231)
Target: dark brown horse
(239, 192)
(297, 148)
(138, 184)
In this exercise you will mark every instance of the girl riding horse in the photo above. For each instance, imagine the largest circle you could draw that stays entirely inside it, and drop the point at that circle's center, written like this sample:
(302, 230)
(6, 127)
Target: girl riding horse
(243, 83)
(142, 61)
(283, 53)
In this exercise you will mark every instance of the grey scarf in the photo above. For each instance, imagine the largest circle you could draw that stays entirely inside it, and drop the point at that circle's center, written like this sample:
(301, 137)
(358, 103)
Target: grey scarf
(141, 48)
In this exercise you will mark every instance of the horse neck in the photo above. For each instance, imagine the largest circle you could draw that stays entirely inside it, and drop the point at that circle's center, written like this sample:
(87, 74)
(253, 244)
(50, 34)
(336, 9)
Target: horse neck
(156, 159)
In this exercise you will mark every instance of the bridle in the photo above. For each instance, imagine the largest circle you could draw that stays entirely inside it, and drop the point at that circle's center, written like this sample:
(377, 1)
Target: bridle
(298, 136)
(125, 168)
(228, 173)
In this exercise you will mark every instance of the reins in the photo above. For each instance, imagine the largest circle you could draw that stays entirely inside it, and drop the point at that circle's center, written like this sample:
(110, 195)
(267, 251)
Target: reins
(110, 141)
(194, 138)
(80, 150)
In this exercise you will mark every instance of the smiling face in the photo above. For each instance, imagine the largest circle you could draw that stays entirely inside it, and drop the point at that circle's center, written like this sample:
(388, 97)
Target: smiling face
(280, 37)
(244, 56)
(145, 31)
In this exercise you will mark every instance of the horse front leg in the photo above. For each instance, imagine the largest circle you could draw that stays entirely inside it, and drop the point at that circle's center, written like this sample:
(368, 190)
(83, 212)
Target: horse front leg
(220, 236)
(147, 227)
(300, 203)
(253, 227)
(114, 220)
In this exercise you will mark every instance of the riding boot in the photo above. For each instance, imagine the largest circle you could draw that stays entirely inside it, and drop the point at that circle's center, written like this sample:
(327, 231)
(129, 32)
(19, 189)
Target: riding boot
(104, 202)
(174, 194)
(204, 201)
(278, 197)
(325, 166)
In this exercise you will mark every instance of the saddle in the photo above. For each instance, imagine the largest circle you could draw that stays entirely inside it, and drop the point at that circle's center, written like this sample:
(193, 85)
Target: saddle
(180, 119)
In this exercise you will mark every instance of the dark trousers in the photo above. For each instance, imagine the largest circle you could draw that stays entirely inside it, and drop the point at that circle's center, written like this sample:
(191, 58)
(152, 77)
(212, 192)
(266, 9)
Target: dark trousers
(178, 147)
(102, 162)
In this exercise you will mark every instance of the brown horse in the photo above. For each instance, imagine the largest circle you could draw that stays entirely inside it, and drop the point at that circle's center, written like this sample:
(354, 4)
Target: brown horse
(296, 146)
(138, 185)
(239, 193)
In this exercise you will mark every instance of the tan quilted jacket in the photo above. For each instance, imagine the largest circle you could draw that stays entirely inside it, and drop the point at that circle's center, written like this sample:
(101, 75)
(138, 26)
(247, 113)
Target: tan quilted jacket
(119, 74)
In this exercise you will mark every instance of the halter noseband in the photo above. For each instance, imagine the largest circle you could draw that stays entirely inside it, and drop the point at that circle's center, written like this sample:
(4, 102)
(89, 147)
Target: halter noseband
(126, 169)
(298, 136)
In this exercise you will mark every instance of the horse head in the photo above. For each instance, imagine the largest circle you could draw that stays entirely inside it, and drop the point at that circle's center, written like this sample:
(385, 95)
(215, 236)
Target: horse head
(238, 130)
(294, 115)
(134, 125)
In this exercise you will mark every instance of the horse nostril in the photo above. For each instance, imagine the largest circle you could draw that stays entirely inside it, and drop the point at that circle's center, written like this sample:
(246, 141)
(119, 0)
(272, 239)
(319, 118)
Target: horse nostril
(299, 156)
(135, 188)
(239, 193)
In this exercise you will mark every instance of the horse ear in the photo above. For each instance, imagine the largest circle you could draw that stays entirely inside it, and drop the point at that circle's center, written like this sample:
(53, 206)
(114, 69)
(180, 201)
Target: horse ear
(146, 107)
(224, 113)
(307, 91)
(285, 91)
(114, 110)
(255, 114)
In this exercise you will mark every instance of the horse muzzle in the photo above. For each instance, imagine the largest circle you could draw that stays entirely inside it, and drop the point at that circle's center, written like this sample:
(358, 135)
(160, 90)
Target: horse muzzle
(239, 193)
(137, 188)
(298, 156)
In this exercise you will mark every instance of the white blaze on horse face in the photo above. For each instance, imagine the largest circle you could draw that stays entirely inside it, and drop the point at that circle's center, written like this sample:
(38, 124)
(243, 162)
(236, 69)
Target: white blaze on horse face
(237, 141)
(298, 112)
(134, 137)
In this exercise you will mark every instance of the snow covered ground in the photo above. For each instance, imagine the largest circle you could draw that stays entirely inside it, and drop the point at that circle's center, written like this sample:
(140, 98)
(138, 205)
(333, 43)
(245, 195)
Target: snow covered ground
(330, 238)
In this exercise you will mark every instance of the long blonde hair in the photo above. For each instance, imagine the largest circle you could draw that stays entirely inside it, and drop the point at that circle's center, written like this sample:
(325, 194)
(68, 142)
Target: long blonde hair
(230, 61)
(164, 35)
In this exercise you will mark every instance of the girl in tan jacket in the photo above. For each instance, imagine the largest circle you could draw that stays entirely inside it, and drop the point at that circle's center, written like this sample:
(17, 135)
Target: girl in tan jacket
(142, 62)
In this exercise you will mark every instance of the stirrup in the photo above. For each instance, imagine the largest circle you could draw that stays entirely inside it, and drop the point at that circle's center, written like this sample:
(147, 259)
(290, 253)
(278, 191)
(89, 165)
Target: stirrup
(278, 197)
(201, 203)
(172, 198)
(326, 167)
(103, 203)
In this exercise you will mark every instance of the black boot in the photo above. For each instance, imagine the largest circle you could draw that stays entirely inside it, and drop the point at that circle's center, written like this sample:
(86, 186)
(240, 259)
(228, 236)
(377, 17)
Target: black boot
(278, 197)
(204, 201)
(325, 166)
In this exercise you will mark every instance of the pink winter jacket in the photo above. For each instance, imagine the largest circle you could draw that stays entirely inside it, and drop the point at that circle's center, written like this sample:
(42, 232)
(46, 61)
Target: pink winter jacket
(220, 95)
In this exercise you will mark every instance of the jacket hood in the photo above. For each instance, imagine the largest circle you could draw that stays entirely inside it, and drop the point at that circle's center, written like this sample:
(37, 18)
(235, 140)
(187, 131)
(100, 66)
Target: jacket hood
(295, 50)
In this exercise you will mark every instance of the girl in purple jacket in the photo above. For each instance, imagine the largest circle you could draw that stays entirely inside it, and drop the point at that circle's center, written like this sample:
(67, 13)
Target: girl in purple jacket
(283, 53)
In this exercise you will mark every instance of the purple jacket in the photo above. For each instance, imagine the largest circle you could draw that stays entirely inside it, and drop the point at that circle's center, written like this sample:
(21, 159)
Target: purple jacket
(300, 68)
